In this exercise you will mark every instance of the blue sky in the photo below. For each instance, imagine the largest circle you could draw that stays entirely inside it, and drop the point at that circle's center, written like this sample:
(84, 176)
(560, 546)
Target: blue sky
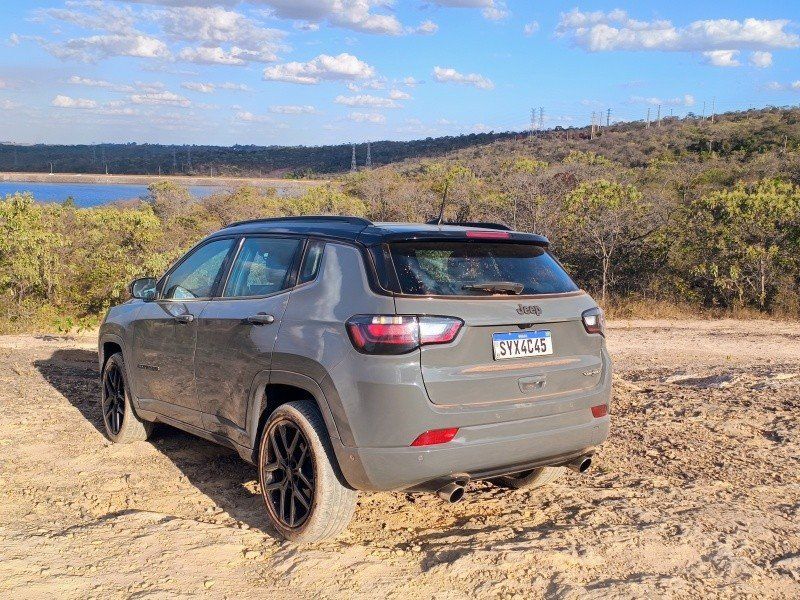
(328, 71)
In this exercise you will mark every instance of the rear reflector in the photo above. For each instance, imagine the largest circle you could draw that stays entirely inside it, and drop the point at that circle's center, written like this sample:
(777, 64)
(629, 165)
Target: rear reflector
(601, 410)
(435, 436)
(489, 235)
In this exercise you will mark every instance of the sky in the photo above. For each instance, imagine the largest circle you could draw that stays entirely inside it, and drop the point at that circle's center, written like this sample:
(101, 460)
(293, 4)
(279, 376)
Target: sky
(315, 72)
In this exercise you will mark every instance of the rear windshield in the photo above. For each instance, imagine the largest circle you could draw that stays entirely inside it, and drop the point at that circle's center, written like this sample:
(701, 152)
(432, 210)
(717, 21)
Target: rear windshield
(456, 268)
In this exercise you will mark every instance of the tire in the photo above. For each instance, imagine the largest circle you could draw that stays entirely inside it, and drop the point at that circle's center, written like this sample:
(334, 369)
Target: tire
(305, 496)
(122, 425)
(530, 480)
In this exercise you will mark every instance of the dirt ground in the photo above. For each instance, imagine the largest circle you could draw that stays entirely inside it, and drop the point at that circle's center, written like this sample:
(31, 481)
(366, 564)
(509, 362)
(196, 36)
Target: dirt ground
(696, 493)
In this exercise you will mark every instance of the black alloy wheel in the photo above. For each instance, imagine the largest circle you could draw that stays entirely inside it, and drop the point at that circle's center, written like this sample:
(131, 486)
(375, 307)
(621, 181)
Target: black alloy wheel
(114, 399)
(288, 474)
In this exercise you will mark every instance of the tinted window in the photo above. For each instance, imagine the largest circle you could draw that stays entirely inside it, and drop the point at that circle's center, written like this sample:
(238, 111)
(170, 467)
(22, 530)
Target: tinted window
(195, 276)
(311, 262)
(262, 267)
(450, 268)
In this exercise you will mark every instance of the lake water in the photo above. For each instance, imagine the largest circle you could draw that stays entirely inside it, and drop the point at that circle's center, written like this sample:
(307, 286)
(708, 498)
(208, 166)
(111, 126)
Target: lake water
(90, 194)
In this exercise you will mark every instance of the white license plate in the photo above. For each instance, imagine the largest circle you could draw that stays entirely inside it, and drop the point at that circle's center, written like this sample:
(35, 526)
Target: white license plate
(521, 344)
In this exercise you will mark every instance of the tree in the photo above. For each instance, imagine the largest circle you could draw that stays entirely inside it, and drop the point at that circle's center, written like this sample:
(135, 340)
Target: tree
(741, 244)
(451, 183)
(26, 259)
(605, 218)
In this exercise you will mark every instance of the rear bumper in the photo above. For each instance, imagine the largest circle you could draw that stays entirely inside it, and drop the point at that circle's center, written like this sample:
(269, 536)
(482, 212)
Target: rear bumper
(478, 451)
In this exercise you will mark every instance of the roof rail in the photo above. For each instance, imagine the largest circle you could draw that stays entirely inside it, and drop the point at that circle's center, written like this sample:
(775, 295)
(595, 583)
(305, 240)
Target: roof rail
(501, 226)
(313, 218)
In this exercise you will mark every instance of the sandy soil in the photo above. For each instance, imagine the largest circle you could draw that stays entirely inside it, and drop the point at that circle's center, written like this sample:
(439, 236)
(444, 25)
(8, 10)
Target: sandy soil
(695, 494)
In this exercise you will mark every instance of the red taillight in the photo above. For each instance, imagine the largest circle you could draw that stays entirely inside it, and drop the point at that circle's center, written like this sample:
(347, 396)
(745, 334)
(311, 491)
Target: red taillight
(435, 436)
(398, 334)
(601, 410)
(489, 235)
(594, 321)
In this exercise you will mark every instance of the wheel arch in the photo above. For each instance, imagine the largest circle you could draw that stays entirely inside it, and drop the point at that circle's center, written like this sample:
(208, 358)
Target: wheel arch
(271, 389)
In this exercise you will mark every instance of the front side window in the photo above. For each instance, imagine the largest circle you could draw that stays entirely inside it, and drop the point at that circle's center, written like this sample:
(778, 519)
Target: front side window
(477, 268)
(263, 267)
(197, 275)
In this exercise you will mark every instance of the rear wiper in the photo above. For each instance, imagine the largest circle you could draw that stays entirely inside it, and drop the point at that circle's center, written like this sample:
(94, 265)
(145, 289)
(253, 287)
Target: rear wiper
(495, 287)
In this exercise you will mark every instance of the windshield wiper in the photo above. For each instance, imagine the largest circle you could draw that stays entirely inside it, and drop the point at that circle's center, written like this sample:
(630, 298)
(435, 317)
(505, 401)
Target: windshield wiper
(495, 287)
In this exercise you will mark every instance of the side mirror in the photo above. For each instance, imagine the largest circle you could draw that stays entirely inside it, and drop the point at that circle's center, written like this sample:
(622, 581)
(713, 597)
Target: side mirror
(143, 288)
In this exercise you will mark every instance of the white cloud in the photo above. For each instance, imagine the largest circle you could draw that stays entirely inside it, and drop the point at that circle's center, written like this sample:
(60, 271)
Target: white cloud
(357, 15)
(14, 40)
(99, 83)
(9, 105)
(410, 82)
(774, 86)
(164, 98)
(215, 28)
(367, 100)
(722, 58)
(293, 109)
(530, 28)
(197, 86)
(68, 102)
(212, 56)
(685, 100)
(448, 75)
(425, 28)
(615, 30)
(761, 59)
(96, 47)
(493, 10)
(324, 67)
(249, 117)
(374, 118)
(399, 95)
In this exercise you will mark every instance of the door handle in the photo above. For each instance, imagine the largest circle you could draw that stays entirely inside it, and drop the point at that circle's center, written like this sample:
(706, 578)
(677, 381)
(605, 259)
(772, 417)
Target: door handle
(187, 318)
(261, 319)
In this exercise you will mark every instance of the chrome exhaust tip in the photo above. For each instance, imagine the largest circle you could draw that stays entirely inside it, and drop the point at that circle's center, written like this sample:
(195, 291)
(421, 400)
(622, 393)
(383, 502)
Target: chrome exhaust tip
(580, 465)
(451, 493)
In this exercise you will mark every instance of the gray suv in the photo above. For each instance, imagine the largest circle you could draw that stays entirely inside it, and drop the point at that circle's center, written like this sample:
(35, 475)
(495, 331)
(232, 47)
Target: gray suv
(338, 355)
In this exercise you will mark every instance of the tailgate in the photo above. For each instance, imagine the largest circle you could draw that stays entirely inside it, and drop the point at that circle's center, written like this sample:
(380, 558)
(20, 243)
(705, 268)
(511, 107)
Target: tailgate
(466, 372)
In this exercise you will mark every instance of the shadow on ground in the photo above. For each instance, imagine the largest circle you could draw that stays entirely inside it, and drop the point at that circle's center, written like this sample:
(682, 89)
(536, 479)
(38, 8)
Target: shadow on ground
(216, 471)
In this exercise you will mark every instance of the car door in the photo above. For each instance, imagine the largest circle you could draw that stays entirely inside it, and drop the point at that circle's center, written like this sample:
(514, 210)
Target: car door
(165, 332)
(237, 330)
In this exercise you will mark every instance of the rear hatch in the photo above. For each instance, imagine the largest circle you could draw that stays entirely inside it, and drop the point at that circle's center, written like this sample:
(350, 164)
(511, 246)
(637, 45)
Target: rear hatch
(512, 347)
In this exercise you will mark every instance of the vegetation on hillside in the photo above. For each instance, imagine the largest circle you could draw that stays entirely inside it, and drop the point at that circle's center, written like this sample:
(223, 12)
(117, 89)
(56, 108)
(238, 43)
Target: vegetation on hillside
(691, 213)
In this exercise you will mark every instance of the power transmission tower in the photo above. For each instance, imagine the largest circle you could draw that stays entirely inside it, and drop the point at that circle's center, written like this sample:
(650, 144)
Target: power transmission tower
(713, 108)
(353, 166)
(659, 115)
(591, 134)
(648, 118)
(704, 110)
(174, 159)
(533, 124)
(368, 163)
(608, 117)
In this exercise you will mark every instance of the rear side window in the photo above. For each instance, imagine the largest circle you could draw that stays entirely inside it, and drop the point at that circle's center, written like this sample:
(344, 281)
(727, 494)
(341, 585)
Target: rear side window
(311, 261)
(262, 267)
(455, 268)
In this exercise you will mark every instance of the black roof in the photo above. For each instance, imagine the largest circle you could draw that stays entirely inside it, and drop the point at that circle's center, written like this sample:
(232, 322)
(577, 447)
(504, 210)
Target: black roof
(358, 229)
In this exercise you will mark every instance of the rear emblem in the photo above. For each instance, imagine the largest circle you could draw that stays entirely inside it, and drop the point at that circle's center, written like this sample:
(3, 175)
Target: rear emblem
(529, 309)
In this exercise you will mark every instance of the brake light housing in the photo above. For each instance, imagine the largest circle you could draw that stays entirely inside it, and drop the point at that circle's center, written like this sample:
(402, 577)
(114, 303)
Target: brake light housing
(400, 334)
(594, 321)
